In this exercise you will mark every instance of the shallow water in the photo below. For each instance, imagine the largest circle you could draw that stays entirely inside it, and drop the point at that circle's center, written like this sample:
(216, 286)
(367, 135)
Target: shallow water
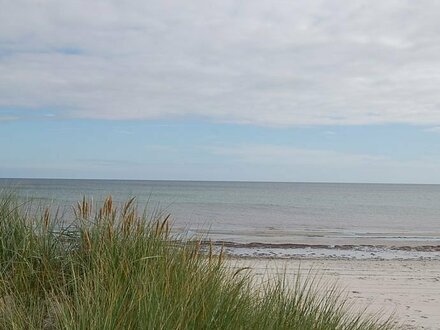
(244, 212)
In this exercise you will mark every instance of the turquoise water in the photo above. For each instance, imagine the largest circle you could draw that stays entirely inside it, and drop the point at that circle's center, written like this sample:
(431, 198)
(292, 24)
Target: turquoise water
(305, 213)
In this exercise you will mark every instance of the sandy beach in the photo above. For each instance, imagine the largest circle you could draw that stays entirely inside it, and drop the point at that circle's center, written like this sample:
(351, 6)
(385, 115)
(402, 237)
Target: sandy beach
(409, 288)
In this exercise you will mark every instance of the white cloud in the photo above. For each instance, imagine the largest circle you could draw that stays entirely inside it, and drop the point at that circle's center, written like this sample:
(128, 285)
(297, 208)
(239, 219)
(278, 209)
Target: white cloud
(257, 62)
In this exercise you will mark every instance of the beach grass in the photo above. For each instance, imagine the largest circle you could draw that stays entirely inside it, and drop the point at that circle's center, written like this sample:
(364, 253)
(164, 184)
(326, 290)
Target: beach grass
(117, 268)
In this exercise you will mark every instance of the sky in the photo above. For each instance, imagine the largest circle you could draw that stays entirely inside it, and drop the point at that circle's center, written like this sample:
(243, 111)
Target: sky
(319, 91)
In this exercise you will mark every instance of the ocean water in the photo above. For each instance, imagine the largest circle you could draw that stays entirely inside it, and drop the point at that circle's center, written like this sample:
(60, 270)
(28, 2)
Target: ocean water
(276, 216)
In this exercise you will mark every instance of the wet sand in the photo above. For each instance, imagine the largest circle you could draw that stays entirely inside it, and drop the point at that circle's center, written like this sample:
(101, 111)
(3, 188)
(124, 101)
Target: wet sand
(409, 288)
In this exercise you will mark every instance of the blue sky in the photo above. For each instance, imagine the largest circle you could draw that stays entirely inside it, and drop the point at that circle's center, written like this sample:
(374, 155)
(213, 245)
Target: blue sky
(337, 91)
(199, 150)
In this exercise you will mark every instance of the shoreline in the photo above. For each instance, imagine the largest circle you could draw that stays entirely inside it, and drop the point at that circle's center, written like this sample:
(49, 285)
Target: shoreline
(425, 248)
(408, 288)
(324, 251)
(313, 238)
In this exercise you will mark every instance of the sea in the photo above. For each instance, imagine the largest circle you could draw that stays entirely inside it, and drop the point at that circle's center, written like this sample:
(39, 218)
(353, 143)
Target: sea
(272, 219)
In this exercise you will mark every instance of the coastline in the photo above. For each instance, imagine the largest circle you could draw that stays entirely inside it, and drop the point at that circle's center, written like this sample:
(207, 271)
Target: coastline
(380, 255)
(408, 288)
(325, 251)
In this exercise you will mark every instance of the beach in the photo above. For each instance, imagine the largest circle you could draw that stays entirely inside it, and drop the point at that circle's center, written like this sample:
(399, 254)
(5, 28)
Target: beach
(408, 288)
(380, 242)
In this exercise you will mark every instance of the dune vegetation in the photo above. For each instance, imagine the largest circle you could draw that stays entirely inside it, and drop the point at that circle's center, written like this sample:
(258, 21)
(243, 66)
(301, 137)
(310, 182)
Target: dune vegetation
(117, 268)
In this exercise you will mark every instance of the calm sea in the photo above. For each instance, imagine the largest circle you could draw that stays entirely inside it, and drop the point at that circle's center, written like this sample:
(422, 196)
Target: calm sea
(274, 213)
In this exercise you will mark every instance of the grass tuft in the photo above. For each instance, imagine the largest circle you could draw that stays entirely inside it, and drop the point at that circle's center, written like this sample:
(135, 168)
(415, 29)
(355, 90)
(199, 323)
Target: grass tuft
(114, 268)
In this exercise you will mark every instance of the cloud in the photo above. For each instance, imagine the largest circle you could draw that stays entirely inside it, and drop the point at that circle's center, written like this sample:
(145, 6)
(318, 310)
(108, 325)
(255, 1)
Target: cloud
(284, 155)
(260, 62)
(284, 163)
(435, 129)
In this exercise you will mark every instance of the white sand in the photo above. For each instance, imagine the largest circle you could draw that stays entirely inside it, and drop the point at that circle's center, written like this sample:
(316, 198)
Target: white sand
(411, 289)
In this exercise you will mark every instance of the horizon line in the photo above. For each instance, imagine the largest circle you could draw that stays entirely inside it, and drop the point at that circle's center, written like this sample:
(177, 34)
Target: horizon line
(219, 181)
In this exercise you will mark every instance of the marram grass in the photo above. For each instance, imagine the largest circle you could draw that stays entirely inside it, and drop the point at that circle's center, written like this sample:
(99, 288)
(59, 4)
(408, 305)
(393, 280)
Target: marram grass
(114, 268)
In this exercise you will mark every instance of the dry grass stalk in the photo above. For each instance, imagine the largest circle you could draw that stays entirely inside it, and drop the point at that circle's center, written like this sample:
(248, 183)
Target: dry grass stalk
(46, 218)
(83, 209)
(127, 221)
(162, 228)
(127, 206)
(86, 238)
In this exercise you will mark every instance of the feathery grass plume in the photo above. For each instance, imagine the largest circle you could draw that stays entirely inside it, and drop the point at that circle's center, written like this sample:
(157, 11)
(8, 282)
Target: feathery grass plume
(83, 209)
(46, 218)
